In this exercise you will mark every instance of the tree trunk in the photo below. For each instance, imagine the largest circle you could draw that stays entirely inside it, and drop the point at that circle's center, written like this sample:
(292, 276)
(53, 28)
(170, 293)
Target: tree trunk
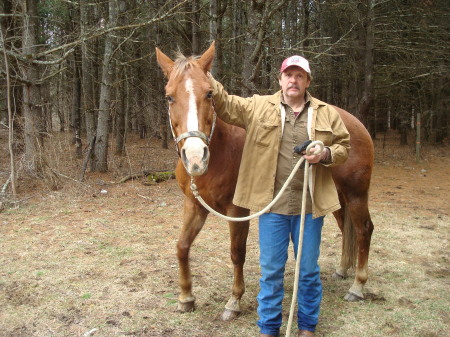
(259, 16)
(120, 117)
(9, 115)
(76, 103)
(306, 15)
(195, 19)
(213, 18)
(254, 15)
(367, 99)
(102, 138)
(217, 10)
(140, 95)
(88, 75)
(236, 46)
(162, 112)
(5, 7)
(32, 107)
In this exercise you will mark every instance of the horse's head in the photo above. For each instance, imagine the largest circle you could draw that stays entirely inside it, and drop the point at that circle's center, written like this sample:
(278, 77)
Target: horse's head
(191, 110)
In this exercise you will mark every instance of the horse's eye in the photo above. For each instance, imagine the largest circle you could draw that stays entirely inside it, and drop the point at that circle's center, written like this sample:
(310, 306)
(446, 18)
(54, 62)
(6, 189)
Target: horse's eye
(209, 95)
(170, 99)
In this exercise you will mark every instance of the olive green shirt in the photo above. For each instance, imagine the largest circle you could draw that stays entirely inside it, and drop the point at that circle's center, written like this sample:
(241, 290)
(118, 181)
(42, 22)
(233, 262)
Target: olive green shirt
(294, 133)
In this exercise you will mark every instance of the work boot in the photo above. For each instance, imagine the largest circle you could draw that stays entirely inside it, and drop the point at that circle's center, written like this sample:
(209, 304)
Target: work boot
(305, 333)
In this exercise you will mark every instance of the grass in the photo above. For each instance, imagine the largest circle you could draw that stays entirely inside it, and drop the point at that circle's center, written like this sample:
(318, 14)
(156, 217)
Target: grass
(75, 260)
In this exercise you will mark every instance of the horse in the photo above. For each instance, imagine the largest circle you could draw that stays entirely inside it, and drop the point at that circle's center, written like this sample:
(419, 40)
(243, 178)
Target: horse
(210, 150)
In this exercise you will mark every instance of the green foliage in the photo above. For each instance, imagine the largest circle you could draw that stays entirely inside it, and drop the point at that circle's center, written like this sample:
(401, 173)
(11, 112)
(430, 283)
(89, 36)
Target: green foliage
(86, 296)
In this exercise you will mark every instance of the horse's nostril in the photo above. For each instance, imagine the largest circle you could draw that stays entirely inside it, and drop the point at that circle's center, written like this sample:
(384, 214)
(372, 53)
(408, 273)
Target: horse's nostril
(183, 155)
(205, 153)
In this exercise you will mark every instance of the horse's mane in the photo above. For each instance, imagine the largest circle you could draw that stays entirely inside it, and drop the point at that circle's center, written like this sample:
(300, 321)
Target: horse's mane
(184, 63)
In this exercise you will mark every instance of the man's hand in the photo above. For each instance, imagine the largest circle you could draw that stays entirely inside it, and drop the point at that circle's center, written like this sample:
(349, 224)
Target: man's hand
(315, 158)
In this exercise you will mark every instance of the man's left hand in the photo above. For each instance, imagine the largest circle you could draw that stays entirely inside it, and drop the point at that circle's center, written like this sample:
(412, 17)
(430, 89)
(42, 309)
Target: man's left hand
(315, 158)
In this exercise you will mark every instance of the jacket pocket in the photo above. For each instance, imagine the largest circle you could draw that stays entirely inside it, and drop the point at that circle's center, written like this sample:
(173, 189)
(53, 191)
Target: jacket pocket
(325, 135)
(266, 133)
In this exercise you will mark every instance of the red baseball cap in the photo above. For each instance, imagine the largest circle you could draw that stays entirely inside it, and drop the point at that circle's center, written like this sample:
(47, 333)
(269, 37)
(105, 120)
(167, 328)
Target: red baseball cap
(297, 61)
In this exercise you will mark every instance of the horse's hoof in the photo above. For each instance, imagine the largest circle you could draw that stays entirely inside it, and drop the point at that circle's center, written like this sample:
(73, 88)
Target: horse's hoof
(229, 315)
(337, 276)
(186, 306)
(351, 297)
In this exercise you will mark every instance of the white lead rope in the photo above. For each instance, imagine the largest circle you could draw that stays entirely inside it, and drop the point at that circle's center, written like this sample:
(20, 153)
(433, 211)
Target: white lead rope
(265, 209)
(299, 252)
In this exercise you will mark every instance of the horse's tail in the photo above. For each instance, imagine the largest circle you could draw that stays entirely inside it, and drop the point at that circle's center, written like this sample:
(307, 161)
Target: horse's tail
(349, 243)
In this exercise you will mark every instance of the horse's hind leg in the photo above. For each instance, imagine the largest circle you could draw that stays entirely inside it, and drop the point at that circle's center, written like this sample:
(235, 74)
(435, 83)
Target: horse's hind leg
(356, 226)
(193, 220)
(360, 217)
(238, 238)
(348, 253)
(347, 258)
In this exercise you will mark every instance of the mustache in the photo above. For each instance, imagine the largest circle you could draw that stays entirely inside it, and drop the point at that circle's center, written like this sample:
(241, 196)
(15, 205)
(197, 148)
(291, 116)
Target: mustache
(293, 86)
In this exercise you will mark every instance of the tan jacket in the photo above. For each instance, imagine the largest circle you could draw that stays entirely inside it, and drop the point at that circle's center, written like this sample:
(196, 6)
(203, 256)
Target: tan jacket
(263, 119)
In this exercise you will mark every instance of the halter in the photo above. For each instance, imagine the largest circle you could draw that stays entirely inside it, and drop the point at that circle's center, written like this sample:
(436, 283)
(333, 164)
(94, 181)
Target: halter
(197, 134)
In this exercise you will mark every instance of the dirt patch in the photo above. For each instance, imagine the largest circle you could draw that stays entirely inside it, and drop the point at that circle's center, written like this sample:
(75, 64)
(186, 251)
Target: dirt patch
(98, 258)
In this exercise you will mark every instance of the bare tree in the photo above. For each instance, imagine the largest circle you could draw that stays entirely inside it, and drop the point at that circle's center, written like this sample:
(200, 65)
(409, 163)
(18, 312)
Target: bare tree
(102, 136)
(32, 105)
(259, 17)
(217, 9)
(12, 176)
(88, 54)
(368, 92)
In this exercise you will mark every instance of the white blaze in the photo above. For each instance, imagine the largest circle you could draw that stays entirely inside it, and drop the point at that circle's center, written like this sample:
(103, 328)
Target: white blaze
(192, 117)
(194, 148)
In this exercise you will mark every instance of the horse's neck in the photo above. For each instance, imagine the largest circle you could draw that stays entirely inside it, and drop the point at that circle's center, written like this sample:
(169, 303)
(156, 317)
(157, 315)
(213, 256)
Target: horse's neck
(226, 138)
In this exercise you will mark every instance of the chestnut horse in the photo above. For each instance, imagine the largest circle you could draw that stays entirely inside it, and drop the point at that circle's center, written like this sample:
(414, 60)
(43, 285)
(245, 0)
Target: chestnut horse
(210, 150)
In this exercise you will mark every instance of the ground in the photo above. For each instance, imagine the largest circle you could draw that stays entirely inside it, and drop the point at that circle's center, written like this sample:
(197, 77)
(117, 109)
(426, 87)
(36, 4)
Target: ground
(97, 258)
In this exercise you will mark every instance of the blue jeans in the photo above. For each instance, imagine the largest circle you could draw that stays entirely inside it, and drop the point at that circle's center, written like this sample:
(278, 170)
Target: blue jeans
(275, 232)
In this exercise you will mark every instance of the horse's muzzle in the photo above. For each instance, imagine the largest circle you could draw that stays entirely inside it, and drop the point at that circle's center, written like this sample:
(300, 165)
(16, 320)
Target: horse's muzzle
(195, 156)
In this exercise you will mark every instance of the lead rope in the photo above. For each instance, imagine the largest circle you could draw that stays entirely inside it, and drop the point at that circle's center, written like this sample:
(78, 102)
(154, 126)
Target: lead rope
(302, 220)
(265, 209)
(299, 251)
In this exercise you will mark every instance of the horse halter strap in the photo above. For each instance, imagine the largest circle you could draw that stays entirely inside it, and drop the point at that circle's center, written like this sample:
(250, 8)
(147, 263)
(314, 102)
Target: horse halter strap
(198, 134)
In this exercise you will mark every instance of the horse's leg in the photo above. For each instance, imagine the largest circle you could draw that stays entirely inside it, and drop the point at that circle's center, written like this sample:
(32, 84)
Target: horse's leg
(347, 260)
(193, 219)
(238, 238)
(360, 216)
(341, 271)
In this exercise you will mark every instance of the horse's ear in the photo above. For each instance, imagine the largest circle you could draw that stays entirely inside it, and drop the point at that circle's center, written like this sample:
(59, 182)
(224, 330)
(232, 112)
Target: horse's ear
(207, 58)
(164, 62)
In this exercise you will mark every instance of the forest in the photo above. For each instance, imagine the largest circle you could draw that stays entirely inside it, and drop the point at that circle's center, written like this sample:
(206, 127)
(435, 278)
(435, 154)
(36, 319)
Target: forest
(88, 67)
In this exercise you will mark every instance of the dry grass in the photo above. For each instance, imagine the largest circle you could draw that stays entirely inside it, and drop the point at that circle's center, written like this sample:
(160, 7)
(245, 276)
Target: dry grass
(77, 259)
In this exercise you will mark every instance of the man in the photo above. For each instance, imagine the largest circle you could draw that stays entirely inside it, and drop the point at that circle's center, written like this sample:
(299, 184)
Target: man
(274, 125)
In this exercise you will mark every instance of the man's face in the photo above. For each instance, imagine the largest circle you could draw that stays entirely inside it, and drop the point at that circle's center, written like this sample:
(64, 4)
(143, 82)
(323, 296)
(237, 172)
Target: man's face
(294, 81)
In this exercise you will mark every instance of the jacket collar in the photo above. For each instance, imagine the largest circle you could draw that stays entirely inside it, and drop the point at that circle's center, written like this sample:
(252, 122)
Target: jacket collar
(275, 99)
(315, 103)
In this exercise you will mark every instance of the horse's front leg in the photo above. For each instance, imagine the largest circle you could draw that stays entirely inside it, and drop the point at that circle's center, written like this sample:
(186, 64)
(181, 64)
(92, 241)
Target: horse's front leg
(193, 220)
(238, 245)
